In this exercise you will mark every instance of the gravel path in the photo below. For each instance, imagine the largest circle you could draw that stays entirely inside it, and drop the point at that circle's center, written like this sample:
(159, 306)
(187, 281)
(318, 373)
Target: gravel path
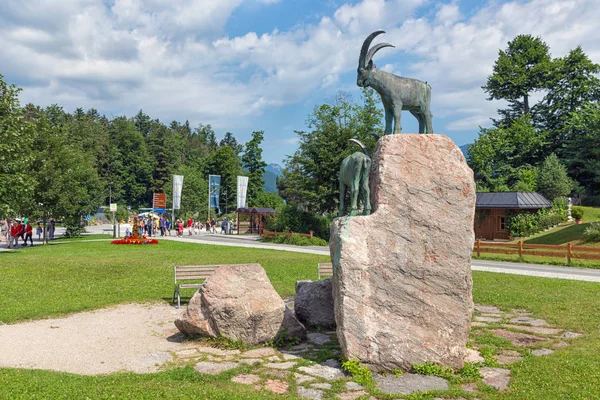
(129, 337)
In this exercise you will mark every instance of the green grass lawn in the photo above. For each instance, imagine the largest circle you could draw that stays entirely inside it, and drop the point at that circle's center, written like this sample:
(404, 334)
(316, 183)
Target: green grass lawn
(85, 275)
(53, 280)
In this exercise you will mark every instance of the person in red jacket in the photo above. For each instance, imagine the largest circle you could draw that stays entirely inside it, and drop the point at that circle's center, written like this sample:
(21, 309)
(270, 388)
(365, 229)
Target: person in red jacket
(14, 235)
(28, 234)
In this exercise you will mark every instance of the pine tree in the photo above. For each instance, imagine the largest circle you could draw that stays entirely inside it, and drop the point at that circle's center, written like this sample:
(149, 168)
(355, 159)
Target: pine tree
(521, 69)
(253, 163)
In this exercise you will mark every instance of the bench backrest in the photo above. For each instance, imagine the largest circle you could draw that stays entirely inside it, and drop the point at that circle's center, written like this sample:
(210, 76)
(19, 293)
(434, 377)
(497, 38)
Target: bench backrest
(325, 270)
(193, 272)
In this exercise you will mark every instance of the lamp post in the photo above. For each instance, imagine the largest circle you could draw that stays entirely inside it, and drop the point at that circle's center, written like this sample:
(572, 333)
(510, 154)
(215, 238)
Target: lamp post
(226, 198)
(45, 225)
(113, 213)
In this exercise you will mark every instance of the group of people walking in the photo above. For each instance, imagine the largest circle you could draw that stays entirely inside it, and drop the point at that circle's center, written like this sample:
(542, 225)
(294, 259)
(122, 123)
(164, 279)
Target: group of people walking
(13, 230)
(162, 226)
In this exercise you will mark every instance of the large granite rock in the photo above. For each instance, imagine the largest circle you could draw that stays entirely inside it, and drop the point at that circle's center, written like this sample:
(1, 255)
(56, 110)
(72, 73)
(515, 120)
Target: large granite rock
(313, 304)
(402, 275)
(239, 302)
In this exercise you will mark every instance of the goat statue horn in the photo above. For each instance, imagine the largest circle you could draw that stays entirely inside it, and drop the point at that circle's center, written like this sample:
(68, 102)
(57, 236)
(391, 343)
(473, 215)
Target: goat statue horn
(362, 146)
(365, 47)
(374, 50)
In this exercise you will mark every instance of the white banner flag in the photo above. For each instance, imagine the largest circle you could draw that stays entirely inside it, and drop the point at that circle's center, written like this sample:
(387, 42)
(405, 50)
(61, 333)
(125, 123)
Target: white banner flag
(242, 188)
(177, 185)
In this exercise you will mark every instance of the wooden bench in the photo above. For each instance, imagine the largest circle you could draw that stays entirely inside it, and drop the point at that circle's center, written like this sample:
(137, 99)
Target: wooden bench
(325, 270)
(190, 273)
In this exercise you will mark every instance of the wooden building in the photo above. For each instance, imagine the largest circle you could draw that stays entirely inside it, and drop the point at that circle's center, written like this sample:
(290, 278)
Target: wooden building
(491, 211)
(257, 218)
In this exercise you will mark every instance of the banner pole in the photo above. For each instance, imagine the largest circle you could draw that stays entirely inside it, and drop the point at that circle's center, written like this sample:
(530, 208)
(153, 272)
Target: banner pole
(208, 217)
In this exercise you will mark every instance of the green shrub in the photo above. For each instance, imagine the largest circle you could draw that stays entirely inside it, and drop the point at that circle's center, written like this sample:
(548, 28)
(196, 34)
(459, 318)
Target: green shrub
(577, 212)
(292, 219)
(360, 373)
(527, 223)
(592, 232)
(431, 368)
(295, 240)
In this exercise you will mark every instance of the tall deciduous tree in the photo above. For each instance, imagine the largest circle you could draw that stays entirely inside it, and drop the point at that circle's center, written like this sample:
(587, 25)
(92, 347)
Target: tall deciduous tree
(310, 180)
(501, 157)
(66, 183)
(552, 178)
(253, 163)
(15, 150)
(519, 70)
(130, 173)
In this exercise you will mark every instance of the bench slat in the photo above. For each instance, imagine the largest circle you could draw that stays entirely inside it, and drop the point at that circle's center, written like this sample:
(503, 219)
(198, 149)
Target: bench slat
(325, 270)
(190, 285)
(193, 277)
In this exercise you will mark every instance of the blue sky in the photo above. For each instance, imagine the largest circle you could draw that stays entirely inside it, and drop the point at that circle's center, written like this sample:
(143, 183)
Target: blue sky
(245, 65)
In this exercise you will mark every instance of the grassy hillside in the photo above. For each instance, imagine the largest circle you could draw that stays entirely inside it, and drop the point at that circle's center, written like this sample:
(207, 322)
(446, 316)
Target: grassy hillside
(568, 233)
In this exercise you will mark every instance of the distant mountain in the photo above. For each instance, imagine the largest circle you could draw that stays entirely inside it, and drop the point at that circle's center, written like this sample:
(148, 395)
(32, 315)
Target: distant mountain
(272, 171)
(464, 148)
(274, 168)
(270, 181)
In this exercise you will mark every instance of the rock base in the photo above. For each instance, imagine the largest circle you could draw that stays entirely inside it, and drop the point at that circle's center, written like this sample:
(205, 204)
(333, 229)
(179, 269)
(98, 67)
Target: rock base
(239, 302)
(402, 275)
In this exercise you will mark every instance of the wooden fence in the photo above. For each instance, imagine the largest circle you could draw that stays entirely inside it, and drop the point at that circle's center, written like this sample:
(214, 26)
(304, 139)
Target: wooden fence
(270, 234)
(521, 248)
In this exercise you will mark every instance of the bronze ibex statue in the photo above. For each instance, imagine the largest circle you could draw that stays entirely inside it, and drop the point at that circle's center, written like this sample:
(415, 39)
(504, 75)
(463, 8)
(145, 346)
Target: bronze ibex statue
(397, 93)
(354, 175)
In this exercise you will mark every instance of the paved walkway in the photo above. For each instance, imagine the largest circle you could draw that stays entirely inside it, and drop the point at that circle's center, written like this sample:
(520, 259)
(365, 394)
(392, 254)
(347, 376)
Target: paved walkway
(545, 271)
(248, 241)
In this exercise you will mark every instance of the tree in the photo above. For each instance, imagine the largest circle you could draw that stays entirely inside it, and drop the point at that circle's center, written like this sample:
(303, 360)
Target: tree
(231, 141)
(269, 200)
(130, 170)
(143, 123)
(207, 137)
(573, 83)
(519, 70)
(166, 151)
(310, 180)
(255, 166)
(227, 164)
(66, 183)
(552, 178)
(582, 153)
(194, 193)
(16, 153)
(501, 156)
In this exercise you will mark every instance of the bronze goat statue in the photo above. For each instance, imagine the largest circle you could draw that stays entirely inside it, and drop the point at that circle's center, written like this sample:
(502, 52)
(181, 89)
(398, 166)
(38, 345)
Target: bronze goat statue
(397, 93)
(354, 175)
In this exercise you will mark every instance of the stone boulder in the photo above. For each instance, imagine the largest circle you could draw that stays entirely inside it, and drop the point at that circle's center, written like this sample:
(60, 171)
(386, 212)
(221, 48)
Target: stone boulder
(402, 275)
(313, 304)
(239, 302)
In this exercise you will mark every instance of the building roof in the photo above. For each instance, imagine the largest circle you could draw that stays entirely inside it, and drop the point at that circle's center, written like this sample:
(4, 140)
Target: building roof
(518, 200)
(255, 210)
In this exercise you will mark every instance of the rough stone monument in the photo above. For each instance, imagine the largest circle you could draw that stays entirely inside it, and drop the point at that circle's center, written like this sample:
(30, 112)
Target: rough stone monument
(240, 303)
(402, 275)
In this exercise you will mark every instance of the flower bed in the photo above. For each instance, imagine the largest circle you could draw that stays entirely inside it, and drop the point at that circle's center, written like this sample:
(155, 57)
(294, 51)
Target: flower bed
(135, 240)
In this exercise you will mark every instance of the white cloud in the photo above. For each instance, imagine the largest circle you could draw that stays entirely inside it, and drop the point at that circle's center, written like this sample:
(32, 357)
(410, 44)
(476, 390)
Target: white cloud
(174, 60)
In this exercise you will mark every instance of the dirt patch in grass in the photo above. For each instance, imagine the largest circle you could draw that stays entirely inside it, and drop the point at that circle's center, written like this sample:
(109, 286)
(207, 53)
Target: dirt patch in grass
(129, 337)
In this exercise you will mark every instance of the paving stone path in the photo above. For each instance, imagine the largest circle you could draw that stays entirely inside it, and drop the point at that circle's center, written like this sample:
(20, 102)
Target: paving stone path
(312, 370)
